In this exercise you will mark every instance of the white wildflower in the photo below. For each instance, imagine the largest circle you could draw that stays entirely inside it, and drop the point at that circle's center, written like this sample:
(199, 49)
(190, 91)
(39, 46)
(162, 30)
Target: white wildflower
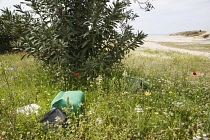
(138, 109)
(99, 121)
(124, 93)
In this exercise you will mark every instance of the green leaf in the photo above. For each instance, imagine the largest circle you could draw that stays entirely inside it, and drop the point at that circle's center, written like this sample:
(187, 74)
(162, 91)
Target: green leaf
(85, 43)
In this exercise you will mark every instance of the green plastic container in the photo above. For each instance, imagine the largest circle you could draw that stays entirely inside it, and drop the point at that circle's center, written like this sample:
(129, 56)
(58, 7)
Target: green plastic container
(69, 99)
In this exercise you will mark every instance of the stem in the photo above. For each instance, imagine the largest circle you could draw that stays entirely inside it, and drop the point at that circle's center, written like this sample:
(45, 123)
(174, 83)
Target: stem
(11, 93)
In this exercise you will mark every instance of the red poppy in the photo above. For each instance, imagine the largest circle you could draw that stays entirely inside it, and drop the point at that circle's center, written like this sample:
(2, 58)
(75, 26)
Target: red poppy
(20, 52)
(77, 74)
(194, 73)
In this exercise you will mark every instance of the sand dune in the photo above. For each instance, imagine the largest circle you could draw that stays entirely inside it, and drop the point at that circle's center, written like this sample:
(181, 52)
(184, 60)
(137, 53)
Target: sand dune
(178, 38)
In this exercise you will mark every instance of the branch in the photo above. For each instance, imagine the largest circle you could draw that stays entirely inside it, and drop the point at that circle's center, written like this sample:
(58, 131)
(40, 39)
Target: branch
(146, 5)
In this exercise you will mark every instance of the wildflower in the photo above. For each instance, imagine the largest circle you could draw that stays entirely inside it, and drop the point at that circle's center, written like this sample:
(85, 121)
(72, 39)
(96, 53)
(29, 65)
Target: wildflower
(77, 74)
(138, 109)
(170, 92)
(186, 78)
(147, 93)
(3, 133)
(28, 134)
(20, 52)
(156, 113)
(99, 78)
(124, 93)
(148, 107)
(125, 74)
(99, 121)
(90, 112)
(194, 73)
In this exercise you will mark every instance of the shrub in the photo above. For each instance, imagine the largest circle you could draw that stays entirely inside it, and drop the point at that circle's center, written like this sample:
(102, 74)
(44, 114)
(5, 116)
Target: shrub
(5, 36)
(206, 36)
(78, 36)
(12, 26)
(189, 33)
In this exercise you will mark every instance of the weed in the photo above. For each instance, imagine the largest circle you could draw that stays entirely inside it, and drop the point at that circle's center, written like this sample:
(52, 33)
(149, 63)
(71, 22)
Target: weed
(175, 105)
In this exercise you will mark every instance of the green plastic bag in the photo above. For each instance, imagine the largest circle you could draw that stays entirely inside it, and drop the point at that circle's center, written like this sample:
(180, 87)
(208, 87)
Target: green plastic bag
(69, 99)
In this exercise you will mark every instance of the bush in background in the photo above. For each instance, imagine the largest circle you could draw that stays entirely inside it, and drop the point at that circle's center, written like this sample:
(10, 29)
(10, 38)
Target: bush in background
(12, 26)
(5, 36)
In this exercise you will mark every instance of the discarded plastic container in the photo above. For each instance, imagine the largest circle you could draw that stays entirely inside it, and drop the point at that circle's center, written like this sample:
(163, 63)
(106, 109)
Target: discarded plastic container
(54, 116)
(29, 109)
(69, 99)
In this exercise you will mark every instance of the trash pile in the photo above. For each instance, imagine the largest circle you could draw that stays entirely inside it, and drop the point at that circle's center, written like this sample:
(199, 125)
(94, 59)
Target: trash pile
(67, 103)
(71, 101)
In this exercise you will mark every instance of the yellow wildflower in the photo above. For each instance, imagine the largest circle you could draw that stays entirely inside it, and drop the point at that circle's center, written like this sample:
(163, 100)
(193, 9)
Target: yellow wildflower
(147, 93)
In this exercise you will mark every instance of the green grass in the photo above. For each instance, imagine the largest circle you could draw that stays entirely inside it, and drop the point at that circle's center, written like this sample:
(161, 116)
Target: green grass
(202, 47)
(175, 105)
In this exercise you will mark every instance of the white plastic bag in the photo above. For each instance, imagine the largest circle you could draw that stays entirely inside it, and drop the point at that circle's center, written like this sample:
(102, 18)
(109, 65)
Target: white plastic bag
(29, 109)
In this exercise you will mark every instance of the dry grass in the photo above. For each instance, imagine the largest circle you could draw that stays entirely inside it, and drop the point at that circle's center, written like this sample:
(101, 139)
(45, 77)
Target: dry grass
(194, 46)
(189, 33)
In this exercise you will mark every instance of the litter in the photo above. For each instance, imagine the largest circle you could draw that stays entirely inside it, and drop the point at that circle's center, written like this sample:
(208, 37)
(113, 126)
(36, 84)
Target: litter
(72, 100)
(10, 68)
(54, 116)
(29, 109)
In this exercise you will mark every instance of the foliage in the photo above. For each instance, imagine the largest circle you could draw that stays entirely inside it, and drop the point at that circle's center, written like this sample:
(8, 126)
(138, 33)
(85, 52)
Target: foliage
(12, 26)
(5, 38)
(146, 5)
(78, 36)
(206, 35)
(176, 106)
(6, 34)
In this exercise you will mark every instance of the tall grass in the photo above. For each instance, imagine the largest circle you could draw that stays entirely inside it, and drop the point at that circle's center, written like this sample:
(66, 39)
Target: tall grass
(174, 104)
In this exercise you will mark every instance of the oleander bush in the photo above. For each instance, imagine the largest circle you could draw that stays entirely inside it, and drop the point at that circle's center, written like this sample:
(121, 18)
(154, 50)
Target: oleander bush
(86, 37)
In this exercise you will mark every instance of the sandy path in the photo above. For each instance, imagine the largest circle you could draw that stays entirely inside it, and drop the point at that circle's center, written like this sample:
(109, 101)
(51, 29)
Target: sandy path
(151, 43)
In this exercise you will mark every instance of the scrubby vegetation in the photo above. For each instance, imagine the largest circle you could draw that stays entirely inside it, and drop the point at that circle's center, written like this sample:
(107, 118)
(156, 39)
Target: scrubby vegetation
(75, 36)
(146, 95)
(175, 104)
(206, 35)
(189, 33)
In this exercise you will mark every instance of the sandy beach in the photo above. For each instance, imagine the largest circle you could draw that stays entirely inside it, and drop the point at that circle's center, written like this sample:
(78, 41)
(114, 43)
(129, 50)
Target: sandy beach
(178, 38)
(173, 39)
(151, 42)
